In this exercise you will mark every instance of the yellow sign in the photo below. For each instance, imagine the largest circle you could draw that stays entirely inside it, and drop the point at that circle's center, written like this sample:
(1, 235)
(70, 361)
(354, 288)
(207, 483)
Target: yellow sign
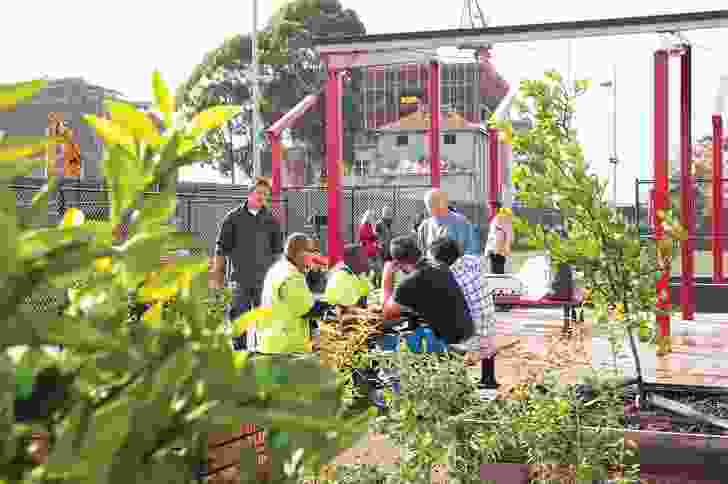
(408, 100)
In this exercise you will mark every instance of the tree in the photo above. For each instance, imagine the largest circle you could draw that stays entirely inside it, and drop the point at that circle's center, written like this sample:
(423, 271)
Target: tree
(620, 270)
(290, 70)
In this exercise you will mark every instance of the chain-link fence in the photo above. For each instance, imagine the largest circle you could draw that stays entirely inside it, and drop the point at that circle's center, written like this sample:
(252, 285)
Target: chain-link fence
(702, 208)
(201, 208)
(306, 208)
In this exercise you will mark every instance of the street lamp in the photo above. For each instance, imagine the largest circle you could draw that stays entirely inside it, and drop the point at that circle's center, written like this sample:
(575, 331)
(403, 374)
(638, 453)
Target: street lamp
(612, 123)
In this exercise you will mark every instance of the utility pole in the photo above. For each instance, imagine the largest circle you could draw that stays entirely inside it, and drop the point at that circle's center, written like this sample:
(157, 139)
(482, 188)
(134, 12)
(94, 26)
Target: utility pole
(612, 120)
(254, 85)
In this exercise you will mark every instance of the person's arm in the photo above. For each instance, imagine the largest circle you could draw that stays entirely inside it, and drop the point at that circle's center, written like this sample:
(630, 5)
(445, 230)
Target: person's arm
(405, 296)
(276, 238)
(390, 267)
(223, 247)
(422, 242)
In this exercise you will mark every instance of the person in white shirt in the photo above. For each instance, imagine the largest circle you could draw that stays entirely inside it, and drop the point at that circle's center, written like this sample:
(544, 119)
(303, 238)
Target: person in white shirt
(500, 239)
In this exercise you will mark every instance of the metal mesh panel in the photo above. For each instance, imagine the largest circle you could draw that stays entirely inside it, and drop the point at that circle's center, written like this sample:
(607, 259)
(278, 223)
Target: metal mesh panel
(410, 205)
(201, 208)
(362, 199)
(702, 206)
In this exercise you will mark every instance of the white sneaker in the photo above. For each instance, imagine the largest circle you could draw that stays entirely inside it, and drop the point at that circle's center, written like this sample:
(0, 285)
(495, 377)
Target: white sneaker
(487, 394)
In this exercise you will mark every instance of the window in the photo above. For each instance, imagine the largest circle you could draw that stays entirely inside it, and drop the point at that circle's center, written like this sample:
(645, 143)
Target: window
(402, 140)
(450, 139)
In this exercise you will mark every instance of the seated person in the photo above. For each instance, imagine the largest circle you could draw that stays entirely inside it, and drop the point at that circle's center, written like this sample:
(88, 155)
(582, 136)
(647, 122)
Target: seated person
(345, 288)
(429, 289)
(471, 277)
(288, 329)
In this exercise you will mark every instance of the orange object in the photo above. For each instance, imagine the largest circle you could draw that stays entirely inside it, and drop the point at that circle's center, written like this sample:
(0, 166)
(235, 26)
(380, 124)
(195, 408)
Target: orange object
(68, 159)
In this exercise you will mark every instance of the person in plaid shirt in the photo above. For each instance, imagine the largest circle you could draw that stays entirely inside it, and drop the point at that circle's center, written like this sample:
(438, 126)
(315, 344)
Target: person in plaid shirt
(471, 277)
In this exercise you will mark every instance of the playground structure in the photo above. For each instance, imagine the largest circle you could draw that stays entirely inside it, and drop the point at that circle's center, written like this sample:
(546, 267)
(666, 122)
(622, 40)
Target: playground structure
(342, 53)
(691, 291)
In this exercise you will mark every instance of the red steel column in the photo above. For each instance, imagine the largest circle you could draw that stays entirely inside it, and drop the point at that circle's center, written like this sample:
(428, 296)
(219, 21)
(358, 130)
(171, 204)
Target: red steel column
(718, 276)
(661, 125)
(434, 95)
(687, 190)
(494, 171)
(275, 143)
(335, 246)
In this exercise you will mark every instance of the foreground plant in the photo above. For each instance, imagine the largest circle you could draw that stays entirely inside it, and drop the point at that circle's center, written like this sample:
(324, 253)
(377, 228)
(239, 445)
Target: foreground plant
(620, 270)
(134, 401)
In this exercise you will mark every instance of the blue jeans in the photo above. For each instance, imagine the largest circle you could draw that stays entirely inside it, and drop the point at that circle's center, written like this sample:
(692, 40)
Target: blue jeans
(244, 299)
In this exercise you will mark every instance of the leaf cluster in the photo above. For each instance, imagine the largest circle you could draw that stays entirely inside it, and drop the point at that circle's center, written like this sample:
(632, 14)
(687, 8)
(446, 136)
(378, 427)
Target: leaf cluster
(132, 399)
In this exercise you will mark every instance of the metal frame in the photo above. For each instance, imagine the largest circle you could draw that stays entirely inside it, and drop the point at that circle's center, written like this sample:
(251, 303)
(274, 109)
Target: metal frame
(341, 53)
(392, 43)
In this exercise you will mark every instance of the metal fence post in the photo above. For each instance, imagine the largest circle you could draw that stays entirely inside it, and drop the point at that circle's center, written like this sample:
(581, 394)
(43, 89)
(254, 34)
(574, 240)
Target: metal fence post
(353, 216)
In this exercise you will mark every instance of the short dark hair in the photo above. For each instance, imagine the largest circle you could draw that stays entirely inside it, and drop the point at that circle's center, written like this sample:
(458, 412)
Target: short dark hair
(263, 182)
(446, 250)
(404, 249)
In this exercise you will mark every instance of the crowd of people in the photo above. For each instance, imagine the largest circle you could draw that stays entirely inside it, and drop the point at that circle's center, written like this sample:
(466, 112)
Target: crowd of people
(441, 267)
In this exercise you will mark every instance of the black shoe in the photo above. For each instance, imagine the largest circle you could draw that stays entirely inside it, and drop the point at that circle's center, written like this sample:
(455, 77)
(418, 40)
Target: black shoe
(240, 343)
(490, 385)
(487, 374)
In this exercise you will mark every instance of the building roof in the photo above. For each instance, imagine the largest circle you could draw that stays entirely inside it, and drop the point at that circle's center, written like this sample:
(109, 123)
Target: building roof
(420, 120)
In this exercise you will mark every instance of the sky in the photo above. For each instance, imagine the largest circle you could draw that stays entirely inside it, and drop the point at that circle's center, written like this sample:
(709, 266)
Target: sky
(119, 46)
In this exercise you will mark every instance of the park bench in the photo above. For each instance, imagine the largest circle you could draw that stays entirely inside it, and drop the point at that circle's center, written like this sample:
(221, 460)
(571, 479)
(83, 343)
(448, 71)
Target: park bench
(506, 294)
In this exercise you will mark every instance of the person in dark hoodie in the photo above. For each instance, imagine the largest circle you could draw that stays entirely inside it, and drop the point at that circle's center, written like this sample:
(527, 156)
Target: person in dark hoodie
(250, 240)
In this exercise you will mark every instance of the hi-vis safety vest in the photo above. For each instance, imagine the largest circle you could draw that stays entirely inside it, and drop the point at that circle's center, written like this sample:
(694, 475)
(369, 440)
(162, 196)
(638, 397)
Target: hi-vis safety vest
(280, 327)
(346, 288)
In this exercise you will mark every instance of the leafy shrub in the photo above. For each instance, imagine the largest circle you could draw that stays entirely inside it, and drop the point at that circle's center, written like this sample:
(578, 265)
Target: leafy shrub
(135, 402)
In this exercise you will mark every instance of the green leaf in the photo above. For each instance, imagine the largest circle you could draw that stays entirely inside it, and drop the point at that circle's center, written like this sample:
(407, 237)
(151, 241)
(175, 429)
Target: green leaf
(36, 244)
(158, 208)
(8, 382)
(142, 252)
(111, 132)
(37, 214)
(8, 256)
(13, 94)
(16, 148)
(162, 98)
(11, 169)
(212, 118)
(135, 122)
(125, 176)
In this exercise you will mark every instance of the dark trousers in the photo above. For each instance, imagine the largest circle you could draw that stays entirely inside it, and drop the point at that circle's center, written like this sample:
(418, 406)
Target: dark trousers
(497, 263)
(244, 299)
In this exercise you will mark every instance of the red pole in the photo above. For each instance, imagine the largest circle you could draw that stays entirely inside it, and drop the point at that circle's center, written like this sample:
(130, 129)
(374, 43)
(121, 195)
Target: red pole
(335, 246)
(434, 95)
(275, 143)
(687, 289)
(718, 276)
(661, 179)
(493, 171)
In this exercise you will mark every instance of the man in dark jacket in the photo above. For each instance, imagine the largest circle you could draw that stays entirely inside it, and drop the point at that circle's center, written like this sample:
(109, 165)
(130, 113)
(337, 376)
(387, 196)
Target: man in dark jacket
(249, 239)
